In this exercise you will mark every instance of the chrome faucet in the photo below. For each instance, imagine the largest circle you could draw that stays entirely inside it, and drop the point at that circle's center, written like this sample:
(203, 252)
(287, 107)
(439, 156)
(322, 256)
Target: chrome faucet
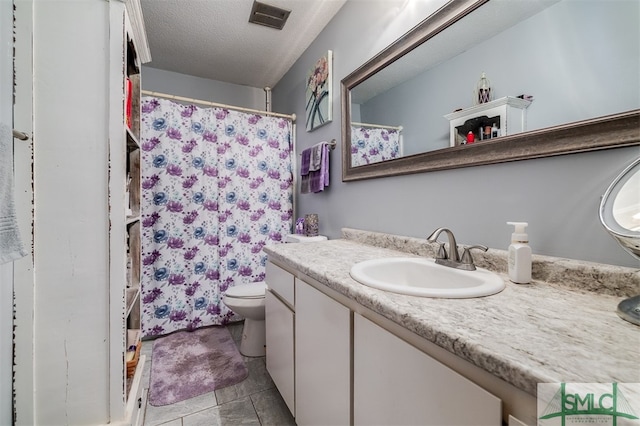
(452, 257)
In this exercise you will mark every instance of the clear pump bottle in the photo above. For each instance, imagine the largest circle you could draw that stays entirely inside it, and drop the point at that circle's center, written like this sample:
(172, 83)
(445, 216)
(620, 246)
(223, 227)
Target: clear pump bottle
(519, 255)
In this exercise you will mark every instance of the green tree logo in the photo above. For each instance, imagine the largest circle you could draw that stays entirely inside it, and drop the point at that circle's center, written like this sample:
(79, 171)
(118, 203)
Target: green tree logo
(585, 404)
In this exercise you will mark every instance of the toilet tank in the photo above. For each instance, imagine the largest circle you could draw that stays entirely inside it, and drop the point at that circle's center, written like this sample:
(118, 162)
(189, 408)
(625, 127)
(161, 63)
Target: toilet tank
(299, 238)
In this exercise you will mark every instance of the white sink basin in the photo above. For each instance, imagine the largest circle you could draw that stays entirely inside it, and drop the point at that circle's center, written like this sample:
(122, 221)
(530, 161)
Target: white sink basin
(423, 277)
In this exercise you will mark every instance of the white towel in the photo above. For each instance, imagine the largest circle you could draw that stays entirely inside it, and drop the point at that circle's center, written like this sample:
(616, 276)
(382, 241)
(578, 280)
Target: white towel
(10, 243)
(316, 157)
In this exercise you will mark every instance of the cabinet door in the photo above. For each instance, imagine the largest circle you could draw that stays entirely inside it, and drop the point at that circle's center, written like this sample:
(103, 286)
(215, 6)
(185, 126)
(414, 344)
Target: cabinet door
(280, 282)
(515, 422)
(280, 355)
(323, 358)
(395, 383)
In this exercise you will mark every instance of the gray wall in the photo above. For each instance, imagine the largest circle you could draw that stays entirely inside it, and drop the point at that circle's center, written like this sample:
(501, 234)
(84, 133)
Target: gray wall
(558, 196)
(173, 83)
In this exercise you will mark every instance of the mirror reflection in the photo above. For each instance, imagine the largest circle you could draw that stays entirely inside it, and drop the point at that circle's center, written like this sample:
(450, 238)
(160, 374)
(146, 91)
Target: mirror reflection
(620, 215)
(546, 62)
(626, 205)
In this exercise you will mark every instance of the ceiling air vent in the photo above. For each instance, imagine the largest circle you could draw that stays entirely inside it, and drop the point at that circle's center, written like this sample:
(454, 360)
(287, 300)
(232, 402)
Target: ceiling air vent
(269, 16)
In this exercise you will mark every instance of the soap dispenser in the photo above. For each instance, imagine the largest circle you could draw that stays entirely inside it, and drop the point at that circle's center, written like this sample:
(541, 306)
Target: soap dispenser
(519, 254)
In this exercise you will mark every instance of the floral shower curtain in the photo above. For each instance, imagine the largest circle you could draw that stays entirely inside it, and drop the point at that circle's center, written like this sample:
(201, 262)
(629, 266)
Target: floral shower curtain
(372, 145)
(216, 188)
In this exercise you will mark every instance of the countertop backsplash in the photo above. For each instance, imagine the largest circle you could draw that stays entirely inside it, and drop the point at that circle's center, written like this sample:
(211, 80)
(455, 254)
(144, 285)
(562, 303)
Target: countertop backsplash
(578, 275)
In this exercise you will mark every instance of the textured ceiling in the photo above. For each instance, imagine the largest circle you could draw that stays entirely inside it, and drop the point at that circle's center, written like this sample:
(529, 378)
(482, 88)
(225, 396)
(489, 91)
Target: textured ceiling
(213, 38)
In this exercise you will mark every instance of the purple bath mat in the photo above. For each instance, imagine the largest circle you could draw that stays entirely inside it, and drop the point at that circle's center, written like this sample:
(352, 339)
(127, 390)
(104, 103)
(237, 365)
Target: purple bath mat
(186, 364)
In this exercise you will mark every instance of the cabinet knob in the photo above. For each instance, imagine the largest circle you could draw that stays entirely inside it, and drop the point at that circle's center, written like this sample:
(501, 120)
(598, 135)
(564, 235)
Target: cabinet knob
(139, 402)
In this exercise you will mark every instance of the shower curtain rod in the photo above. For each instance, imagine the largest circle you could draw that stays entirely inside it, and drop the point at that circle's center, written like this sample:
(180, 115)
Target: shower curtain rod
(213, 104)
(377, 126)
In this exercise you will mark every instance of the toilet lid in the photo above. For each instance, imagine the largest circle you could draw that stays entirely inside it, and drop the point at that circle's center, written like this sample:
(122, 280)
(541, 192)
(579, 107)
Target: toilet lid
(247, 291)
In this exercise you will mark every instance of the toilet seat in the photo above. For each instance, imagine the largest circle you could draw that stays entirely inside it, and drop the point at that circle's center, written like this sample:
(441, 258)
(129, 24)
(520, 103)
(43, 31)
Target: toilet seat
(247, 291)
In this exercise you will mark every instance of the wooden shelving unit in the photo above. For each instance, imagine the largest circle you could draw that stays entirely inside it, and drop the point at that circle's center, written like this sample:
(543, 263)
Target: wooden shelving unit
(508, 113)
(132, 216)
(126, 363)
(70, 335)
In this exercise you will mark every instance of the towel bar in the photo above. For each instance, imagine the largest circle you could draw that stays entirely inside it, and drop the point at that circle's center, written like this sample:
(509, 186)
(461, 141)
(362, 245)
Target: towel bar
(332, 144)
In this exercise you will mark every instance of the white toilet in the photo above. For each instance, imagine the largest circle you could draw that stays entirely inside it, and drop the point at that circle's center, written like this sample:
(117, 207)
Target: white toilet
(247, 300)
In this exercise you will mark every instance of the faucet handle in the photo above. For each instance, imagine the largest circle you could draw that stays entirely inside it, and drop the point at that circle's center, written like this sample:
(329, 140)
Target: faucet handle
(442, 252)
(467, 259)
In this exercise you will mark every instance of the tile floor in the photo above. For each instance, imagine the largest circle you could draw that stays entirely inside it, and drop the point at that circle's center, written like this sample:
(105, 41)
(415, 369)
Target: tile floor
(254, 401)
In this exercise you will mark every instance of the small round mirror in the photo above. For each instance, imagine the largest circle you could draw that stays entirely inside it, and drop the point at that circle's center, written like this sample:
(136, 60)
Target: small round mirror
(620, 215)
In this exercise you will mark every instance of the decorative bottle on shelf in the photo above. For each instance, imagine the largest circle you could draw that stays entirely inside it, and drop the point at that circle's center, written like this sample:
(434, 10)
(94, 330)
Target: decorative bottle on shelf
(483, 90)
(471, 138)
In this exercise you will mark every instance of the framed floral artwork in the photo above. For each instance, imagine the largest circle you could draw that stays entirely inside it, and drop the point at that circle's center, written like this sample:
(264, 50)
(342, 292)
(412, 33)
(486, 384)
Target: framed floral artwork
(318, 93)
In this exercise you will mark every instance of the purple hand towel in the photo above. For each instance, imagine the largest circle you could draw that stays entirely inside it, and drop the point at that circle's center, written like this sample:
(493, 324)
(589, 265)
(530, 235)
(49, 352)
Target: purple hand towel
(320, 179)
(315, 180)
(306, 161)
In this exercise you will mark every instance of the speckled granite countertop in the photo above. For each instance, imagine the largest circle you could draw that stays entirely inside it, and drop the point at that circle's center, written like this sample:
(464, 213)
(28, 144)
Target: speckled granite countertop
(527, 334)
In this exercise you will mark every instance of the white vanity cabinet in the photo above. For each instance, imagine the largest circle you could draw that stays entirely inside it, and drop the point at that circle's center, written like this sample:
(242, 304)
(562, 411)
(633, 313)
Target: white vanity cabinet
(308, 341)
(395, 383)
(337, 363)
(279, 320)
(323, 358)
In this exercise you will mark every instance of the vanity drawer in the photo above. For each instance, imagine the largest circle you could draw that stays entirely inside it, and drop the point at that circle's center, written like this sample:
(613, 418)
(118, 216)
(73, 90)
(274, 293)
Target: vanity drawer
(280, 282)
